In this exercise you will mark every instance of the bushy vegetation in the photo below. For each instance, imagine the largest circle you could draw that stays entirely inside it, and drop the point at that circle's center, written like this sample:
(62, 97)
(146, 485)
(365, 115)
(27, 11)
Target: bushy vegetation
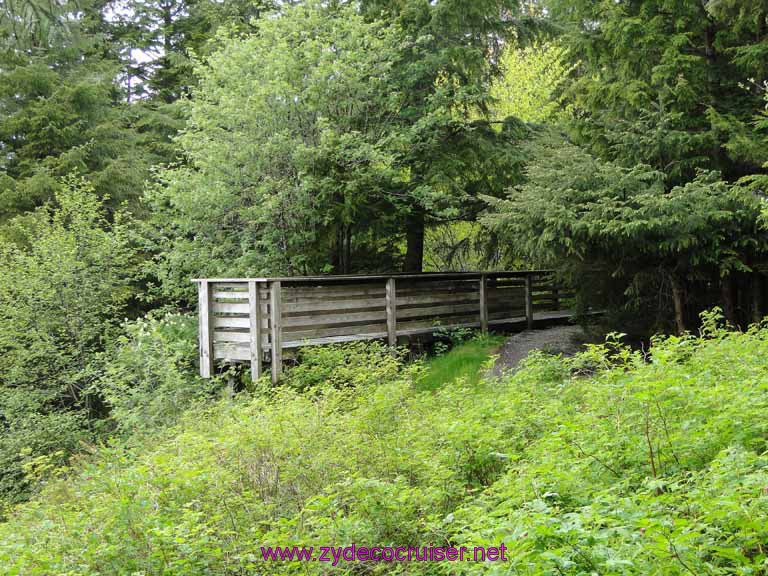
(150, 375)
(144, 142)
(613, 462)
(64, 287)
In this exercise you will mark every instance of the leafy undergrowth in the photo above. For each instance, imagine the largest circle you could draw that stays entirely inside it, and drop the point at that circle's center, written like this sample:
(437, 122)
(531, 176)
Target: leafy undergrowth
(465, 361)
(601, 464)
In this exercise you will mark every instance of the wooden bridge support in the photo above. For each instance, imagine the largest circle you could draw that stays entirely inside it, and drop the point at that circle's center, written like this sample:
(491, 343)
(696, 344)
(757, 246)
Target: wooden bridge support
(484, 304)
(391, 305)
(205, 329)
(529, 302)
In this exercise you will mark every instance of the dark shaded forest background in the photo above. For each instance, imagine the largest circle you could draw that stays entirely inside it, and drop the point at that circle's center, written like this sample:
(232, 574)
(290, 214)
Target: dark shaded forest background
(145, 143)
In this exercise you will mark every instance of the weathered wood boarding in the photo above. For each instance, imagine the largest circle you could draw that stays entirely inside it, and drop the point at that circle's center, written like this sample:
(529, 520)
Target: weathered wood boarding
(254, 319)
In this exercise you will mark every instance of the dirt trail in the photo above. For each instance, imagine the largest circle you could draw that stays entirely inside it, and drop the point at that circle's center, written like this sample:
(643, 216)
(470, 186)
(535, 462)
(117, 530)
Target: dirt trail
(566, 340)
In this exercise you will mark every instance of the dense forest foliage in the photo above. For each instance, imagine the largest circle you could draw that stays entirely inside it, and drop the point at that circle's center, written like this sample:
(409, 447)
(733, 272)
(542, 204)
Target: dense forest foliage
(621, 143)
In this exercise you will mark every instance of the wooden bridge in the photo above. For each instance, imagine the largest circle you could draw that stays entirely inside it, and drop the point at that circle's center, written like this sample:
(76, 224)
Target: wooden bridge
(254, 320)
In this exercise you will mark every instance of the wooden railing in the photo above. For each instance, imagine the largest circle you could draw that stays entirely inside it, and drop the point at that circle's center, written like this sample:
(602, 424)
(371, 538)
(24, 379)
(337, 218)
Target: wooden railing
(295, 312)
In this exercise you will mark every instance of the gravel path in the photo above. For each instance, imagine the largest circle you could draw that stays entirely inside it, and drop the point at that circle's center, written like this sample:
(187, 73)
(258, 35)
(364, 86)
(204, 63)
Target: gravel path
(566, 340)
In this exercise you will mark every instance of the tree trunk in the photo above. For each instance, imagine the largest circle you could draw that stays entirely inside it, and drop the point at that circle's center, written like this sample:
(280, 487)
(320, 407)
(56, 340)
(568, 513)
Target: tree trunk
(347, 249)
(414, 255)
(726, 292)
(342, 258)
(757, 297)
(678, 297)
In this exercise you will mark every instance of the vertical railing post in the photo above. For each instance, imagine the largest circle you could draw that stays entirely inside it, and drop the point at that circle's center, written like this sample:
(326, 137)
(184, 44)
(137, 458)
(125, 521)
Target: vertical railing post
(391, 297)
(483, 304)
(254, 300)
(205, 328)
(529, 301)
(276, 320)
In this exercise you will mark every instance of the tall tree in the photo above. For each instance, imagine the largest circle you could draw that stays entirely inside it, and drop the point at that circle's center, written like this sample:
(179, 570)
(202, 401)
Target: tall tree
(286, 149)
(159, 39)
(676, 87)
(628, 242)
(445, 67)
(308, 151)
(61, 109)
(668, 83)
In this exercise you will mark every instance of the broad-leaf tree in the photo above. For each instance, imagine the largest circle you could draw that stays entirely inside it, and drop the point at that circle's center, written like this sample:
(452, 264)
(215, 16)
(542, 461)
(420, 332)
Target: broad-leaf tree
(309, 149)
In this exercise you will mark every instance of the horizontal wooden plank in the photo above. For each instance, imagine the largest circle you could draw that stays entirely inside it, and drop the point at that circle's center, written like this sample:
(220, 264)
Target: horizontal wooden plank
(400, 276)
(231, 295)
(232, 352)
(334, 299)
(439, 298)
(237, 322)
(329, 340)
(230, 308)
(416, 289)
(226, 338)
(221, 336)
(332, 319)
(364, 332)
(231, 322)
(263, 286)
(332, 305)
(333, 290)
(437, 311)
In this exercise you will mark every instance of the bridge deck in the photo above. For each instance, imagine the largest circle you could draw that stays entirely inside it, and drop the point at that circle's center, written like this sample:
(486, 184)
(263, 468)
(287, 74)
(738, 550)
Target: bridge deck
(254, 319)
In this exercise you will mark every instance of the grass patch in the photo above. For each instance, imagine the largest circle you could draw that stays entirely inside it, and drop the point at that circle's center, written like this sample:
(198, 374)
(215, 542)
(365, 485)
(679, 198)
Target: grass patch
(464, 361)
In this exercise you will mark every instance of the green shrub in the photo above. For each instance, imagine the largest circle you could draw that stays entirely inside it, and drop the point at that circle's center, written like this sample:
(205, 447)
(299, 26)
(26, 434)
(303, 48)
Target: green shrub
(65, 283)
(151, 376)
(28, 432)
(343, 365)
(643, 467)
(468, 359)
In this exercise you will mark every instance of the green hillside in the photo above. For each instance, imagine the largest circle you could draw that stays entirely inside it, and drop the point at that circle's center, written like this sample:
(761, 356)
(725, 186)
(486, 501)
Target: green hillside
(602, 464)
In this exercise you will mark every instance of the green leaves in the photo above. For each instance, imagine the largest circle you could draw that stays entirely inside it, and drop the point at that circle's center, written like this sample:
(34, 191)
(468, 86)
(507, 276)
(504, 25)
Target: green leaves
(640, 468)
(590, 217)
(287, 142)
(651, 76)
(324, 139)
(65, 286)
